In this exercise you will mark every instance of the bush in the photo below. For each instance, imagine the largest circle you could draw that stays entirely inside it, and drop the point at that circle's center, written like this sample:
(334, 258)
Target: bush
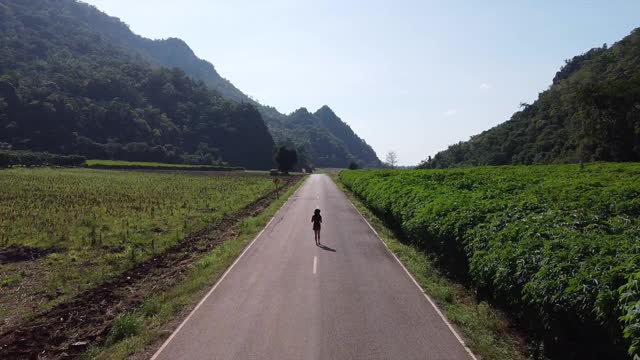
(285, 158)
(5, 160)
(124, 326)
(31, 159)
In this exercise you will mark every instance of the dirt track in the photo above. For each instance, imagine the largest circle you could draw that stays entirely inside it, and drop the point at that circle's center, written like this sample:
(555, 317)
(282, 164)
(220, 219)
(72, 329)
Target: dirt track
(68, 329)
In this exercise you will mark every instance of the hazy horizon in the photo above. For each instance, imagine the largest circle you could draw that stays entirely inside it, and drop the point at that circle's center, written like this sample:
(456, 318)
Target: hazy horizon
(411, 76)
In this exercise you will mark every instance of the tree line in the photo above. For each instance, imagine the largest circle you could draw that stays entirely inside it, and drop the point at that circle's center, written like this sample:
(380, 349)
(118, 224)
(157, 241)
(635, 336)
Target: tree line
(31, 159)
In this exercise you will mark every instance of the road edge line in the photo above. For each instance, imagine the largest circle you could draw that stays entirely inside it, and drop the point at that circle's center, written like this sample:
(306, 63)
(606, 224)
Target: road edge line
(433, 304)
(177, 330)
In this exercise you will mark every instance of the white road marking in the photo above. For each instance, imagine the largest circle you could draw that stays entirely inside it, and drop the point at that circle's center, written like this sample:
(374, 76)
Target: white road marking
(315, 264)
(455, 333)
(155, 356)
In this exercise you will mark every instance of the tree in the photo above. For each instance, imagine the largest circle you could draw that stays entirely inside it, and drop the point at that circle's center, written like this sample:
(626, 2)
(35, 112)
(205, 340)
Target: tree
(303, 160)
(426, 164)
(4, 107)
(354, 166)
(5, 160)
(392, 159)
(286, 159)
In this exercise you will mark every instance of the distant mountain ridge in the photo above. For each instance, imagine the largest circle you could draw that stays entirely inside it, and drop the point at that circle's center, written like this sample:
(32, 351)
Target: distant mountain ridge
(170, 53)
(591, 112)
(309, 131)
(355, 145)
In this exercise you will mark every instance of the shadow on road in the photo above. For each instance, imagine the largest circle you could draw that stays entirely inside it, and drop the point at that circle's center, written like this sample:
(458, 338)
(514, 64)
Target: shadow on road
(326, 248)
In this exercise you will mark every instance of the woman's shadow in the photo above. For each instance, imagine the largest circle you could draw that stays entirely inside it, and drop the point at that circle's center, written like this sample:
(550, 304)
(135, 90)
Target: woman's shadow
(326, 248)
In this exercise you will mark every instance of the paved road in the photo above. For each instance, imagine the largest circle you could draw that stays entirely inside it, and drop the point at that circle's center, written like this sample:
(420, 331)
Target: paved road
(288, 299)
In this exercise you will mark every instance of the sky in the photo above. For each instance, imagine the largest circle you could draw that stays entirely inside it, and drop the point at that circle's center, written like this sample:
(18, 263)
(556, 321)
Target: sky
(410, 76)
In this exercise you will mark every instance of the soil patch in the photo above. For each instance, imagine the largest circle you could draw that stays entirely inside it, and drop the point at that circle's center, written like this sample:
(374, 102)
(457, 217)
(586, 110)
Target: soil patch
(68, 329)
(16, 254)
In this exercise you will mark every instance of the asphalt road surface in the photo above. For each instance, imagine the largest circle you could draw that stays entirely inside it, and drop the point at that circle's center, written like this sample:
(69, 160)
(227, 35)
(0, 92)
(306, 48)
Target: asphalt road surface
(286, 298)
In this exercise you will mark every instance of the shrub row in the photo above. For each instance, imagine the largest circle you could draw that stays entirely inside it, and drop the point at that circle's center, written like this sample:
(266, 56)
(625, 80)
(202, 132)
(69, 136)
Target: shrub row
(558, 247)
(29, 159)
(125, 165)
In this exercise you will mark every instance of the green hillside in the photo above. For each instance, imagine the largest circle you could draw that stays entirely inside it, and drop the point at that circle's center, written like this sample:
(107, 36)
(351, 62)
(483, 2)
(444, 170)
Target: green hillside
(67, 88)
(327, 140)
(170, 53)
(591, 112)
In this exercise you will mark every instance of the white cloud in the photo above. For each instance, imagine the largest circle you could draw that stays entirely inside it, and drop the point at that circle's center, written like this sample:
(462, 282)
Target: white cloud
(485, 86)
(450, 112)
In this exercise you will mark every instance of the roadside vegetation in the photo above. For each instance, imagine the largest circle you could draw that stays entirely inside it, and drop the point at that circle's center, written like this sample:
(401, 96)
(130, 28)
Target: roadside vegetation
(554, 246)
(63, 231)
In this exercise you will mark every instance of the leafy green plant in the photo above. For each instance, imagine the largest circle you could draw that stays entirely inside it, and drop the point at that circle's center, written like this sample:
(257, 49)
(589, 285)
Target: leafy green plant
(554, 245)
(630, 299)
(11, 280)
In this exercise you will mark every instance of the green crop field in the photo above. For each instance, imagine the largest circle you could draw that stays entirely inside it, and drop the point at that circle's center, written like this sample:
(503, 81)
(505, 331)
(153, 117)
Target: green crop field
(98, 223)
(558, 247)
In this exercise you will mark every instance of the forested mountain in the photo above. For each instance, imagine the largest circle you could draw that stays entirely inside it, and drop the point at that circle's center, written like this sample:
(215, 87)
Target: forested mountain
(355, 146)
(169, 53)
(306, 131)
(324, 137)
(66, 88)
(326, 140)
(591, 112)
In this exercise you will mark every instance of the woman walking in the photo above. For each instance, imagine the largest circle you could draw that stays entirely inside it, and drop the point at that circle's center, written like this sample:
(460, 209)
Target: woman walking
(316, 219)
